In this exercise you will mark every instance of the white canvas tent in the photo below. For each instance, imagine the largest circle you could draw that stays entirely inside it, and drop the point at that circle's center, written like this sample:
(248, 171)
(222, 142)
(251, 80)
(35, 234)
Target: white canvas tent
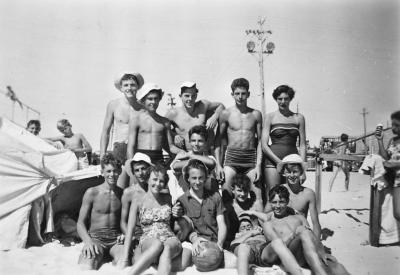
(29, 167)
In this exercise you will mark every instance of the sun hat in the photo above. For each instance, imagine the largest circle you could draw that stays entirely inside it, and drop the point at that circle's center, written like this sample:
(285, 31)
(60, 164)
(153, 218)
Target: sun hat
(138, 157)
(188, 84)
(146, 89)
(139, 80)
(291, 159)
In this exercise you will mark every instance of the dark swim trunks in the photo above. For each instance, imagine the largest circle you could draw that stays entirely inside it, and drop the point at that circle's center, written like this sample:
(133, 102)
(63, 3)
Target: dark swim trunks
(240, 160)
(256, 249)
(156, 156)
(107, 237)
(119, 151)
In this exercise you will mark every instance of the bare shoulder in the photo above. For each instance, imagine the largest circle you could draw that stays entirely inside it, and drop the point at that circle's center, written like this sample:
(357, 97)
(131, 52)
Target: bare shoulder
(309, 192)
(91, 192)
(256, 113)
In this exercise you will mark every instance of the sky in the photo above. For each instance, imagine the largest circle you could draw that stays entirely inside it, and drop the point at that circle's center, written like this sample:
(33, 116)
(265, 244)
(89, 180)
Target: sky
(61, 57)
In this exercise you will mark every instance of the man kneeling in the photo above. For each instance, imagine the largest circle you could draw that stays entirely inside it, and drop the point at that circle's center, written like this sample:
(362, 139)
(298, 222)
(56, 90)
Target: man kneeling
(102, 205)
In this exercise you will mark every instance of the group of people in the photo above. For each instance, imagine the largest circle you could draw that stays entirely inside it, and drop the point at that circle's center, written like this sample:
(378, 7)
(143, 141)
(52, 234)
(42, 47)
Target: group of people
(231, 196)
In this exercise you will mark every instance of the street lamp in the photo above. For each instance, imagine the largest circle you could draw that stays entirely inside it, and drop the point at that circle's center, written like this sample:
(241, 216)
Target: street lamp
(263, 48)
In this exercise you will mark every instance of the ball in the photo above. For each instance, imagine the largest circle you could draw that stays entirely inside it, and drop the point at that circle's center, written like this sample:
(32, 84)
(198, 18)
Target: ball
(210, 257)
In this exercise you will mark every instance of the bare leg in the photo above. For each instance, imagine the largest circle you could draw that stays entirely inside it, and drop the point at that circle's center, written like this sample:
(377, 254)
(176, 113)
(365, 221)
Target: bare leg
(182, 261)
(346, 172)
(172, 248)
(151, 250)
(229, 175)
(91, 263)
(230, 260)
(310, 250)
(256, 190)
(243, 259)
(272, 178)
(335, 172)
(116, 252)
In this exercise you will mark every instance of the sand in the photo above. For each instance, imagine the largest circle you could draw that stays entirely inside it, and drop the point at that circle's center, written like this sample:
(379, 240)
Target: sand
(345, 215)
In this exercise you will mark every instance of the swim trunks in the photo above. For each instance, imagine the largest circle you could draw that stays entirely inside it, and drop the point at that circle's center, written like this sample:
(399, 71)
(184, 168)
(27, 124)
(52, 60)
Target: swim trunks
(283, 141)
(256, 248)
(240, 160)
(105, 236)
(156, 156)
(119, 151)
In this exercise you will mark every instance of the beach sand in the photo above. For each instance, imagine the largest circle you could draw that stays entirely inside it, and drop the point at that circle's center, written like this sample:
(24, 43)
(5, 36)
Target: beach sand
(345, 218)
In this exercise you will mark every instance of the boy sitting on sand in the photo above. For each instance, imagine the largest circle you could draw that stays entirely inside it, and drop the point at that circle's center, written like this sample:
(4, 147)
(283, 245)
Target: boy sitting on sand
(302, 199)
(77, 143)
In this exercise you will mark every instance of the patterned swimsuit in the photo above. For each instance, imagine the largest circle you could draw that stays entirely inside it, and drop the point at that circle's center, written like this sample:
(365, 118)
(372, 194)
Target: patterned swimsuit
(394, 152)
(156, 223)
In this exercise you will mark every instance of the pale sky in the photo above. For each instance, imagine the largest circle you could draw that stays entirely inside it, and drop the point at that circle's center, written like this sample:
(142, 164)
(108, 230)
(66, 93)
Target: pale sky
(61, 57)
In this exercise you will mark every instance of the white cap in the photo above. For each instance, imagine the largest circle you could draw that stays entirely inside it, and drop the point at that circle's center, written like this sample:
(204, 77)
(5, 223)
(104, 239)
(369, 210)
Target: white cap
(292, 158)
(138, 157)
(146, 89)
(188, 84)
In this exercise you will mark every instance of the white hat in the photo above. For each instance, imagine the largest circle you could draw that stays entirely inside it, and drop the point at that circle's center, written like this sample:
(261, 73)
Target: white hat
(188, 84)
(146, 89)
(292, 158)
(138, 157)
(139, 80)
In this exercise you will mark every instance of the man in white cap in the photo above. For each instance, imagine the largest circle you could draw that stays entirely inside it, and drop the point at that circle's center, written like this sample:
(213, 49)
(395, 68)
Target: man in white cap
(192, 113)
(302, 199)
(149, 132)
(118, 113)
(137, 170)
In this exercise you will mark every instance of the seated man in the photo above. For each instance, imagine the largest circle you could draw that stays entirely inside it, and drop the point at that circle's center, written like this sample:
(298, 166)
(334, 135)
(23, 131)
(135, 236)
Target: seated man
(99, 218)
(291, 240)
(302, 199)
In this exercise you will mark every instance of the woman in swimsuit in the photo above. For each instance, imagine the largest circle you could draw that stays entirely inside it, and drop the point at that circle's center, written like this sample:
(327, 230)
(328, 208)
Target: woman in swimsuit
(283, 127)
(158, 244)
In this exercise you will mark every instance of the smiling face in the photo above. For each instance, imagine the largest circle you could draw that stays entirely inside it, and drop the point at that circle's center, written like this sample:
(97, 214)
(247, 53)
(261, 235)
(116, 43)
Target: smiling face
(34, 129)
(141, 171)
(293, 173)
(241, 193)
(240, 95)
(129, 87)
(110, 174)
(198, 143)
(65, 129)
(196, 179)
(188, 97)
(279, 206)
(283, 101)
(157, 182)
(151, 101)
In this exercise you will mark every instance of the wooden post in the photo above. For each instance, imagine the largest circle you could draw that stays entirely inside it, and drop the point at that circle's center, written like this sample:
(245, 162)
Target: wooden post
(318, 171)
(375, 215)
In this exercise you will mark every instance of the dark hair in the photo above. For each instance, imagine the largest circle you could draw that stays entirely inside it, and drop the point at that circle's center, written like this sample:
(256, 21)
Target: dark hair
(240, 82)
(241, 181)
(183, 89)
(63, 122)
(285, 166)
(194, 164)
(283, 89)
(33, 121)
(129, 77)
(395, 115)
(344, 137)
(159, 168)
(200, 130)
(279, 190)
(107, 159)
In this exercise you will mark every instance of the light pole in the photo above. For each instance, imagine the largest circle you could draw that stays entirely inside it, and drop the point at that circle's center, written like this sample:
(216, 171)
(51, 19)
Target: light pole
(171, 101)
(262, 47)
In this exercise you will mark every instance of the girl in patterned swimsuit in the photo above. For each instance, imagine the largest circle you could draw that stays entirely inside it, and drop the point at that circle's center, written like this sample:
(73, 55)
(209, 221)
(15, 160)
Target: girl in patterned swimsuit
(283, 127)
(158, 242)
(392, 157)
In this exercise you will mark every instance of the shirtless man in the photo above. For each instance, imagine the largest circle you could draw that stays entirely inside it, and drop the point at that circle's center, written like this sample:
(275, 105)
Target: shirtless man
(149, 132)
(193, 113)
(99, 218)
(118, 113)
(302, 199)
(77, 143)
(240, 129)
(138, 168)
(292, 241)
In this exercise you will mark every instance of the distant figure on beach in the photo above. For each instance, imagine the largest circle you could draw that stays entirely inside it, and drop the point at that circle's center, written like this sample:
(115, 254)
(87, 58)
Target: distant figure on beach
(283, 127)
(158, 244)
(150, 133)
(118, 113)
(99, 218)
(193, 113)
(240, 129)
(302, 199)
(77, 143)
(343, 165)
(292, 242)
(33, 126)
(392, 156)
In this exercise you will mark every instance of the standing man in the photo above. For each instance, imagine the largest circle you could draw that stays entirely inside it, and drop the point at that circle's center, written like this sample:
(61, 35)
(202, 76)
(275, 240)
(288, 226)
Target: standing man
(240, 129)
(99, 218)
(117, 115)
(193, 113)
(149, 132)
(343, 165)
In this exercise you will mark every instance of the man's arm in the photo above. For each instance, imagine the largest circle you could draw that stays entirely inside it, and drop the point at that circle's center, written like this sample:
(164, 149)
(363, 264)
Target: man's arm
(263, 217)
(219, 150)
(259, 149)
(86, 145)
(302, 131)
(265, 139)
(215, 107)
(129, 234)
(105, 132)
(132, 138)
(172, 148)
(222, 230)
(314, 215)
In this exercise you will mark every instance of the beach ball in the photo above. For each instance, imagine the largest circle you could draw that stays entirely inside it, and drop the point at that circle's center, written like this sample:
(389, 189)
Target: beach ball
(209, 259)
